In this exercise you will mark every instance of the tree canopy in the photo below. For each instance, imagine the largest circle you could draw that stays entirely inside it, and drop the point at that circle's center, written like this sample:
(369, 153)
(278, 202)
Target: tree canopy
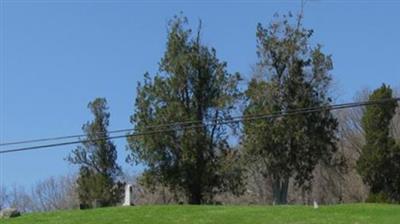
(379, 162)
(98, 183)
(193, 85)
(294, 76)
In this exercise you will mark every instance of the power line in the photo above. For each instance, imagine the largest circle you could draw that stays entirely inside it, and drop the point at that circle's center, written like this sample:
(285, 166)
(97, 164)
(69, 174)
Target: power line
(57, 138)
(215, 122)
(147, 127)
(236, 119)
(69, 136)
(154, 126)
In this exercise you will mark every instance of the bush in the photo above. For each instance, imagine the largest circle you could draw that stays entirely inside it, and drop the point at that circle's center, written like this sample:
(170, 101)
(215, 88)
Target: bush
(377, 198)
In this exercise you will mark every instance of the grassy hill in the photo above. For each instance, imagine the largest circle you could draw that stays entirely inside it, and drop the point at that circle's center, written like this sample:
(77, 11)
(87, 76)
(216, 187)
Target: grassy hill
(351, 214)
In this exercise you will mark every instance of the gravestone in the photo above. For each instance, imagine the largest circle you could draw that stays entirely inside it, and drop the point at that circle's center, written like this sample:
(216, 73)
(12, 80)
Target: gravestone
(315, 205)
(128, 200)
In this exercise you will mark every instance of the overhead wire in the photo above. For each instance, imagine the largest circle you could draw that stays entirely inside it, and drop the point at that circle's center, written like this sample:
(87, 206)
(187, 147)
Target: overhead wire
(166, 125)
(176, 126)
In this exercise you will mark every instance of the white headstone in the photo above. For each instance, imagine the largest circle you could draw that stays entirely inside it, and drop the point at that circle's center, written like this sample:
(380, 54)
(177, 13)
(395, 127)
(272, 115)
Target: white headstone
(315, 204)
(128, 201)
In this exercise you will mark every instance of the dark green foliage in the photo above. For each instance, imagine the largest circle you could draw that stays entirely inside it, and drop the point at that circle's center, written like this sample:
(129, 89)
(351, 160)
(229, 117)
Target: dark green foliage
(97, 182)
(377, 198)
(297, 76)
(379, 162)
(192, 85)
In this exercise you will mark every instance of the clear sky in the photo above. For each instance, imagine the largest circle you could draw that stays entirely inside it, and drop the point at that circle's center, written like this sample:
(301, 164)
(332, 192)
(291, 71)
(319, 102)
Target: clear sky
(56, 56)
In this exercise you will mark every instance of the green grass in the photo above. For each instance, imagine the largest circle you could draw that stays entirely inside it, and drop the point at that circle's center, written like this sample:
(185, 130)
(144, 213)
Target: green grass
(351, 213)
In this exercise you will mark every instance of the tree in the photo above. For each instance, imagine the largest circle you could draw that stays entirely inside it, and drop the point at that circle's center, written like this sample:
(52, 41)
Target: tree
(3, 197)
(193, 85)
(296, 76)
(55, 193)
(20, 199)
(98, 183)
(379, 162)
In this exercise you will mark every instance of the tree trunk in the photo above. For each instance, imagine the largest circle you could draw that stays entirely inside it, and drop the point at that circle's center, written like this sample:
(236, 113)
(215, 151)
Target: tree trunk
(195, 197)
(280, 188)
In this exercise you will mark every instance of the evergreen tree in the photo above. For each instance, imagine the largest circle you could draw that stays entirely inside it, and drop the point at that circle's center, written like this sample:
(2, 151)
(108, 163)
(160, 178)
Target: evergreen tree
(98, 183)
(296, 76)
(379, 162)
(193, 85)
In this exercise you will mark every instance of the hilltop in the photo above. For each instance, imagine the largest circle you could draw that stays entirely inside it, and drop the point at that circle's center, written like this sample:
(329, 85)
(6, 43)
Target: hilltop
(178, 214)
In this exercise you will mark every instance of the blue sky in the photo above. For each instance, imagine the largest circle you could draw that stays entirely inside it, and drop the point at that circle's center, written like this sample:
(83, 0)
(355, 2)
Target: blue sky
(56, 56)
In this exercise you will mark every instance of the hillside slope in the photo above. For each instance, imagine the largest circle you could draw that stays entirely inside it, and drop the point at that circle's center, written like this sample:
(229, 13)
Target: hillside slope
(355, 213)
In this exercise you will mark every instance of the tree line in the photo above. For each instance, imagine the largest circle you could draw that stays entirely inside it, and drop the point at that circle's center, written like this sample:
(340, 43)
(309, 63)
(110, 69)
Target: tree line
(282, 160)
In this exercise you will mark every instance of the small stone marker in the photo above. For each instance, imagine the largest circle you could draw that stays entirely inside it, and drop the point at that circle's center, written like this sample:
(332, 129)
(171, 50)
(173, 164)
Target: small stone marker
(315, 205)
(9, 213)
(128, 201)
